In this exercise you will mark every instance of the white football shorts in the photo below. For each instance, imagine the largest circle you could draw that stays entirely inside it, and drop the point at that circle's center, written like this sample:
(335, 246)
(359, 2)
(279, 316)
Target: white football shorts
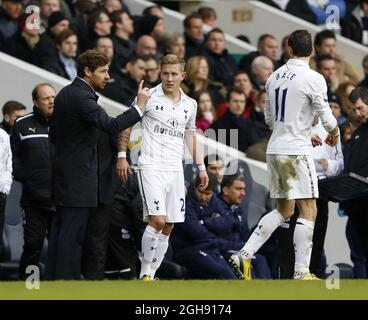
(292, 176)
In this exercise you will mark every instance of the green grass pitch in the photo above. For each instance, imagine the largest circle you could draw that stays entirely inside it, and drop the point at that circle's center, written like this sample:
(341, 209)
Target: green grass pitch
(186, 290)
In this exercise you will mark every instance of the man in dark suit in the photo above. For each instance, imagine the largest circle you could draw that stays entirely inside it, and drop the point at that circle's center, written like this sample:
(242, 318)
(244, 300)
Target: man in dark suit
(73, 132)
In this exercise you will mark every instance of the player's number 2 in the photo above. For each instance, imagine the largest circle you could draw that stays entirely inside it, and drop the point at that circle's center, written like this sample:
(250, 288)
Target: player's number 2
(282, 103)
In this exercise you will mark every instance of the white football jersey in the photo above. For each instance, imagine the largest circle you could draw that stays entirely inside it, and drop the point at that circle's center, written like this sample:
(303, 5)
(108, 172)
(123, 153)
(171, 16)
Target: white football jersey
(295, 94)
(163, 128)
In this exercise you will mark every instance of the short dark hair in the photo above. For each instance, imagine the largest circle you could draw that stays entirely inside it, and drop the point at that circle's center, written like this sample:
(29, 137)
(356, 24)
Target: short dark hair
(148, 10)
(10, 106)
(323, 35)
(214, 30)
(365, 60)
(62, 36)
(37, 88)
(359, 93)
(212, 182)
(187, 20)
(91, 59)
(228, 180)
(95, 16)
(264, 37)
(321, 58)
(300, 42)
(207, 13)
(210, 158)
(232, 90)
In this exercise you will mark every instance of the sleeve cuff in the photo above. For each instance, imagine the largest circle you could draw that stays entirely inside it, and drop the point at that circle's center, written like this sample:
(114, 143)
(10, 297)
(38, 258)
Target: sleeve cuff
(139, 110)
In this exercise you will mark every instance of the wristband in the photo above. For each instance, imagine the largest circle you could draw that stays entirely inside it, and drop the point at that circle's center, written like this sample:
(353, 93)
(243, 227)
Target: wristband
(122, 154)
(201, 167)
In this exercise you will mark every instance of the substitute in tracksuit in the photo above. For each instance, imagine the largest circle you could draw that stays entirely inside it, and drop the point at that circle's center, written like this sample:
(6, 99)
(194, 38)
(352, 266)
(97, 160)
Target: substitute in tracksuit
(32, 167)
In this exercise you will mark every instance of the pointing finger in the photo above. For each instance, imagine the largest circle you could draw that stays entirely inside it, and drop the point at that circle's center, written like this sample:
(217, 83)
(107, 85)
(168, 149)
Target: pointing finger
(140, 85)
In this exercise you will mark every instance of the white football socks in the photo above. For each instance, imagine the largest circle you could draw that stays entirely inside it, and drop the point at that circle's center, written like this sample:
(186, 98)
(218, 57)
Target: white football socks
(303, 241)
(163, 244)
(266, 226)
(149, 246)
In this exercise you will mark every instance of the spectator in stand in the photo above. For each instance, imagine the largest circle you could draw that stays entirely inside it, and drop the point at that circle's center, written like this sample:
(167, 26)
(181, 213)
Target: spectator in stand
(355, 25)
(297, 8)
(242, 81)
(152, 69)
(105, 46)
(99, 25)
(21, 45)
(46, 48)
(344, 92)
(11, 111)
(155, 10)
(222, 66)
(32, 168)
(195, 247)
(146, 46)
(80, 22)
(206, 111)
(175, 44)
(285, 54)
(112, 5)
(326, 66)
(193, 35)
(197, 80)
(10, 11)
(123, 84)
(47, 7)
(155, 27)
(122, 29)
(364, 82)
(5, 178)
(267, 46)
(64, 64)
(208, 16)
(258, 117)
(325, 44)
(233, 119)
(335, 105)
(262, 68)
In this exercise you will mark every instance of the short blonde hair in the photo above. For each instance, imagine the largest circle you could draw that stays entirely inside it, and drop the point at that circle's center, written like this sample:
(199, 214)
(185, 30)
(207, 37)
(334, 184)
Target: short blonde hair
(172, 59)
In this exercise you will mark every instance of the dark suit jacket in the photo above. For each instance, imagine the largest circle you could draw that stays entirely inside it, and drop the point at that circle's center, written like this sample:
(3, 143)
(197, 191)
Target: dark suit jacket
(73, 132)
(107, 150)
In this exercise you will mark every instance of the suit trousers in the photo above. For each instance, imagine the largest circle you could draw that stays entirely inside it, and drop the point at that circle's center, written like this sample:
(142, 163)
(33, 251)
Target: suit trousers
(64, 255)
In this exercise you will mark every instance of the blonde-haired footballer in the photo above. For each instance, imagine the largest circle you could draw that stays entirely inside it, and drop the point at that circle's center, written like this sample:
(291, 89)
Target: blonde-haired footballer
(168, 121)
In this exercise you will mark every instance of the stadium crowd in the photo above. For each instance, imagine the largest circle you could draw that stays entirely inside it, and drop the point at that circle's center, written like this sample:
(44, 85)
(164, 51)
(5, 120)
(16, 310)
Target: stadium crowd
(230, 95)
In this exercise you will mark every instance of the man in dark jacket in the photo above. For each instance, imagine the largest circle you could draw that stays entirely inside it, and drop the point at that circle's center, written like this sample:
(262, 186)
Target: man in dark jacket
(222, 66)
(73, 132)
(231, 226)
(233, 120)
(194, 36)
(94, 251)
(358, 163)
(32, 168)
(195, 247)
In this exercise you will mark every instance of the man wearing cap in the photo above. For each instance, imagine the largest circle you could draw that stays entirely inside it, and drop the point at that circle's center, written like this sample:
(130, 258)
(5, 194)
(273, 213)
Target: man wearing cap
(10, 11)
(46, 48)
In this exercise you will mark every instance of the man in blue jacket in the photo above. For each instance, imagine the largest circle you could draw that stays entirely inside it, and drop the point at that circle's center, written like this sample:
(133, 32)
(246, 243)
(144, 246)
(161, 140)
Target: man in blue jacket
(195, 247)
(230, 224)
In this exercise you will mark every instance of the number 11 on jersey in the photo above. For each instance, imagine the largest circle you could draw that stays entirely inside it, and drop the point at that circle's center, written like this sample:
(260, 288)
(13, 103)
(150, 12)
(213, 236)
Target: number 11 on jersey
(277, 103)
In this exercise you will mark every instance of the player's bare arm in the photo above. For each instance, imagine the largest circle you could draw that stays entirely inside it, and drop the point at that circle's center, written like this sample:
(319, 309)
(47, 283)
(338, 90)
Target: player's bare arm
(122, 165)
(197, 155)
